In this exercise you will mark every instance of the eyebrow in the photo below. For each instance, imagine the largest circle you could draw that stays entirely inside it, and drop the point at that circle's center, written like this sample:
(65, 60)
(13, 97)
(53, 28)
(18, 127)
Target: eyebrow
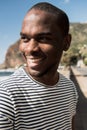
(39, 34)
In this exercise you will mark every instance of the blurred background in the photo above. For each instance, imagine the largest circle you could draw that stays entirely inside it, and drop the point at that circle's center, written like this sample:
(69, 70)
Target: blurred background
(73, 63)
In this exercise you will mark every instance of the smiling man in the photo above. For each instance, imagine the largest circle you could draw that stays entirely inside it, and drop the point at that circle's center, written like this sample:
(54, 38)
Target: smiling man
(37, 96)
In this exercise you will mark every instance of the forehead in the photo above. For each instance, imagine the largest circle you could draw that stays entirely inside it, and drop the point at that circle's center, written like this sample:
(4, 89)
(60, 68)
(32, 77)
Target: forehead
(42, 16)
(38, 11)
(37, 19)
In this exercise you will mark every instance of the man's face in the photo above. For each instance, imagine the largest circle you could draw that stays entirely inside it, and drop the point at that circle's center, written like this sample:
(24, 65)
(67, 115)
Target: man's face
(41, 42)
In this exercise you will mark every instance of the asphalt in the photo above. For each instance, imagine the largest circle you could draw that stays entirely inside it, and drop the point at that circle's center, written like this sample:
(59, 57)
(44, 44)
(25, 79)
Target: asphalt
(81, 114)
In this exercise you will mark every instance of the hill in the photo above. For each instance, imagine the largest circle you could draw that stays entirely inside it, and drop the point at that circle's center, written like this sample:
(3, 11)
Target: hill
(79, 33)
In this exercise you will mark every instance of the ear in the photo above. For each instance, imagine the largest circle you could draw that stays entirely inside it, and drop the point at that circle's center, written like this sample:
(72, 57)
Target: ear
(67, 42)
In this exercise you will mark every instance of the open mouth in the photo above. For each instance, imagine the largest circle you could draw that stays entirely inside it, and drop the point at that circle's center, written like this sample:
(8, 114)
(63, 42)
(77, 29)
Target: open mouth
(35, 62)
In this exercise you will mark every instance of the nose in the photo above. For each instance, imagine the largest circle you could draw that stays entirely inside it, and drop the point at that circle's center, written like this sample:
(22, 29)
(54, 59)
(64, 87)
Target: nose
(32, 46)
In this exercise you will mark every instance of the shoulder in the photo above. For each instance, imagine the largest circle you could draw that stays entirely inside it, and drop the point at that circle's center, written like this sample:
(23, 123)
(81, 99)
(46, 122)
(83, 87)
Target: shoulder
(69, 86)
(11, 80)
(65, 80)
(16, 82)
(10, 85)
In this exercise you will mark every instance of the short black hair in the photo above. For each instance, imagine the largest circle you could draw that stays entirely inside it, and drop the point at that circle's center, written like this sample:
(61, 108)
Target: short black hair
(62, 18)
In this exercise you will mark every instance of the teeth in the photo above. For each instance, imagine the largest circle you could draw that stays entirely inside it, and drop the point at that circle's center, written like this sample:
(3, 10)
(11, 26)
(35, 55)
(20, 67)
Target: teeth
(35, 60)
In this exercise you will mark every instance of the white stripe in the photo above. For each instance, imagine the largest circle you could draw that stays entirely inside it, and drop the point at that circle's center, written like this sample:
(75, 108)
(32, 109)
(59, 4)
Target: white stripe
(36, 106)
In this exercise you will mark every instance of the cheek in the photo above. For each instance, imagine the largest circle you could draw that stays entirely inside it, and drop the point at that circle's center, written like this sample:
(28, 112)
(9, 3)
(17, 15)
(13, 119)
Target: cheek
(47, 48)
(50, 51)
(55, 54)
(21, 47)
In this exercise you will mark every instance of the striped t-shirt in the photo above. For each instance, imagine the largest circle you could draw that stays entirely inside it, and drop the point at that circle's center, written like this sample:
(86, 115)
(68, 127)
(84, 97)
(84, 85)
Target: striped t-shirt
(26, 104)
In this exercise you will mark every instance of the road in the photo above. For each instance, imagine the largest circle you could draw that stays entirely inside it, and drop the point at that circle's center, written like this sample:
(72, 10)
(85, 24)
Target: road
(81, 114)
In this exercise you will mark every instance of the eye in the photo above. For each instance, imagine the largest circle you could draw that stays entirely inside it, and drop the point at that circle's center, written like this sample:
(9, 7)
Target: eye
(24, 39)
(44, 39)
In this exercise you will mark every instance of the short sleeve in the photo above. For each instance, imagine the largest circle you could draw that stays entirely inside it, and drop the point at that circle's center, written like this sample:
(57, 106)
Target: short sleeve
(6, 110)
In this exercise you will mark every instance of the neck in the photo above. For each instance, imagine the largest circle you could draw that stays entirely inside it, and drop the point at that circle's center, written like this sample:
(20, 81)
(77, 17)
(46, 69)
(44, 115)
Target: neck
(49, 77)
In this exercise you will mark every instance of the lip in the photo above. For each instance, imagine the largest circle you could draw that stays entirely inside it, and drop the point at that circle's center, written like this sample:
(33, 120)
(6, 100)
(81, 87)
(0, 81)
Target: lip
(35, 62)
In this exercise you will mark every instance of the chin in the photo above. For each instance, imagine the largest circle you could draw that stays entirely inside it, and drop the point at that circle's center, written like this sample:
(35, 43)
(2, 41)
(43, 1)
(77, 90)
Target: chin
(35, 73)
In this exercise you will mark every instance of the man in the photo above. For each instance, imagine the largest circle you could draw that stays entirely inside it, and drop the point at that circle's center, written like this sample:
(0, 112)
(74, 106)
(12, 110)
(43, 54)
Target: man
(36, 96)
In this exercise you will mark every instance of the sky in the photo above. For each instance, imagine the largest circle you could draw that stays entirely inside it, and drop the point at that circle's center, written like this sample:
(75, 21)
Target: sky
(12, 13)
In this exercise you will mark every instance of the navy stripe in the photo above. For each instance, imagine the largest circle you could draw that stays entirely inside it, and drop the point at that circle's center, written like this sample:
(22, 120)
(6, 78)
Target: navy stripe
(29, 105)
